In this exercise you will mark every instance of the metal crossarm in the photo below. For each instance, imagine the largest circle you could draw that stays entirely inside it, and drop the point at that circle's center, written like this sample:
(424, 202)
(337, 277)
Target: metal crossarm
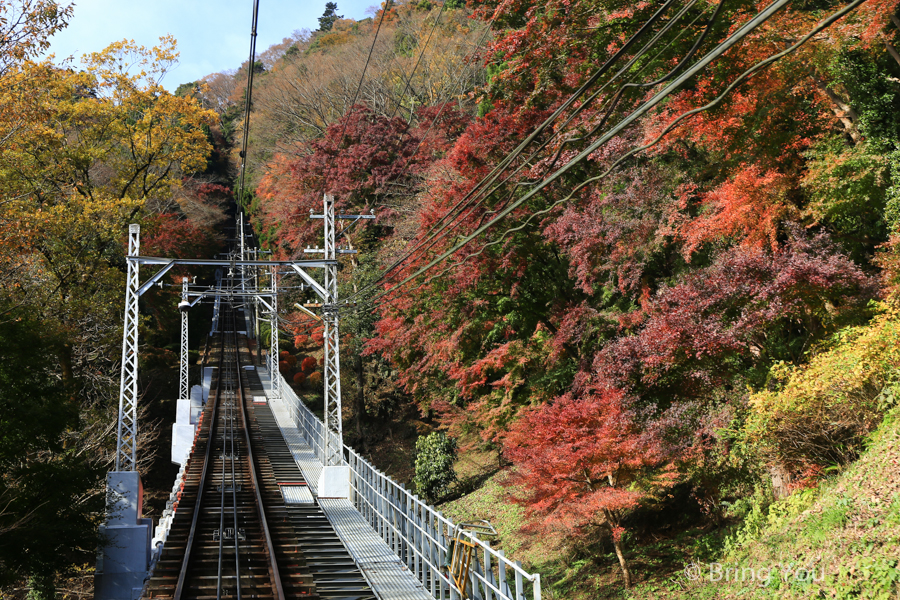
(126, 436)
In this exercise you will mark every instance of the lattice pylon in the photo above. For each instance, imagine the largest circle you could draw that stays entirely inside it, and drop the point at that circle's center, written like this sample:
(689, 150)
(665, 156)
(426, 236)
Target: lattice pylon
(334, 435)
(274, 350)
(126, 437)
(183, 390)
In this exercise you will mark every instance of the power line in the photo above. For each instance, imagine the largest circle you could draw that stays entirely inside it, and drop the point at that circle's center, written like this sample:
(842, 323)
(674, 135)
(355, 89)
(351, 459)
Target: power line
(497, 170)
(248, 101)
(469, 200)
(416, 66)
(387, 6)
(712, 55)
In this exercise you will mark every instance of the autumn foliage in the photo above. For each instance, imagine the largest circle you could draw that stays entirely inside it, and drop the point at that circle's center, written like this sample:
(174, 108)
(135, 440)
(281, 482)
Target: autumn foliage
(647, 303)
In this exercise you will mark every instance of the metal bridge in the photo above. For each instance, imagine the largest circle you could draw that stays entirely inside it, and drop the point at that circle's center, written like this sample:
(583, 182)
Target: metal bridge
(269, 502)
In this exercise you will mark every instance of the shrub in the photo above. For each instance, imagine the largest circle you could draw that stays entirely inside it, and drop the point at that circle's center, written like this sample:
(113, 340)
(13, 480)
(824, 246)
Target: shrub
(284, 367)
(300, 340)
(314, 378)
(299, 378)
(291, 360)
(823, 410)
(308, 364)
(435, 454)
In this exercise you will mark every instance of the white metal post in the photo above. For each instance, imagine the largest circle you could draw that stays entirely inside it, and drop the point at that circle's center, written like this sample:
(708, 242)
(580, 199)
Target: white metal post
(183, 390)
(334, 437)
(126, 437)
(274, 351)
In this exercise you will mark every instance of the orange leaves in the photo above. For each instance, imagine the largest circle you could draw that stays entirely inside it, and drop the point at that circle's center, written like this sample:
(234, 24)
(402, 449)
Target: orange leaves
(582, 457)
(308, 364)
(746, 209)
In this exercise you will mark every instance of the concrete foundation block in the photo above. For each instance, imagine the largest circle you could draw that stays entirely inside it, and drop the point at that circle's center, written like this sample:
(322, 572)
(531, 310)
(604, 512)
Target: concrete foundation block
(207, 381)
(334, 482)
(183, 411)
(124, 497)
(196, 409)
(124, 558)
(182, 442)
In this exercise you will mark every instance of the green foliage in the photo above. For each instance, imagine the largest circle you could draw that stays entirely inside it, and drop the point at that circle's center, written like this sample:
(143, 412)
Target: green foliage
(847, 188)
(822, 411)
(875, 98)
(44, 477)
(435, 454)
(187, 89)
(326, 21)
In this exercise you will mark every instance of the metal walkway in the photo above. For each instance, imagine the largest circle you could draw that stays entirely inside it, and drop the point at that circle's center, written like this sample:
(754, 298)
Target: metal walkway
(387, 575)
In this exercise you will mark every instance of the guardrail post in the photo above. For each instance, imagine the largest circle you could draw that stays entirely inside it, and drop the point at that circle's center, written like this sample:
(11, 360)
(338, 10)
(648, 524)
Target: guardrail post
(501, 573)
(445, 550)
(488, 572)
(520, 595)
(474, 572)
(433, 553)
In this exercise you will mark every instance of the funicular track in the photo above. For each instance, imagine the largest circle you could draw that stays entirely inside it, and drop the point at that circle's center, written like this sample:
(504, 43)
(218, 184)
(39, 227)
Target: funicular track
(220, 544)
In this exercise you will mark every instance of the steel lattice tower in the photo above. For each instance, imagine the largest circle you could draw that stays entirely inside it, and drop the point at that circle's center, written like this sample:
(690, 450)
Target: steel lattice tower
(274, 350)
(334, 435)
(183, 391)
(126, 437)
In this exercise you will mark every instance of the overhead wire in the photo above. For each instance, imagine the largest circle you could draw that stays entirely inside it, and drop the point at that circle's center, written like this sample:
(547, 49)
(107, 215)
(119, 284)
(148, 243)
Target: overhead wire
(416, 66)
(491, 177)
(472, 199)
(715, 53)
(611, 106)
(384, 11)
(248, 99)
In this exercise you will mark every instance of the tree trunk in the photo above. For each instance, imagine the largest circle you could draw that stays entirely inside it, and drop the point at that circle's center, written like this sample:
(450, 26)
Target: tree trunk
(360, 400)
(893, 52)
(617, 544)
(65, 363)
(843, 111)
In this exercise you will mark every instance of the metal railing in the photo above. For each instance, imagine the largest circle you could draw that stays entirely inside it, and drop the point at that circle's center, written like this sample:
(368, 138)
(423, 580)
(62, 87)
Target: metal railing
(420, 536)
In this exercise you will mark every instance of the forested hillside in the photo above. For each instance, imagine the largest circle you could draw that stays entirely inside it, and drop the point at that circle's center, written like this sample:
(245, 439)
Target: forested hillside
(635, 266)
(686, 305)
(85, 149)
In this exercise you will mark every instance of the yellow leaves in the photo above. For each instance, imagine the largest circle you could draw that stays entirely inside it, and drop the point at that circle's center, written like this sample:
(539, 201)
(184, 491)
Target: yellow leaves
(124, 66)
(110, 129)
(862, 354)
(82, 155)
(25, 26)
(823, 408)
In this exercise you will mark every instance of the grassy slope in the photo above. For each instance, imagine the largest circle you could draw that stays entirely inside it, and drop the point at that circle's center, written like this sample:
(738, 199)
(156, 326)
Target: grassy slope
(838, 540)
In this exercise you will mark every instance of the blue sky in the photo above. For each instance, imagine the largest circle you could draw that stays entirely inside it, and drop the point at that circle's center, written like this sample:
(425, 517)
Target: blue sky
(213, 35)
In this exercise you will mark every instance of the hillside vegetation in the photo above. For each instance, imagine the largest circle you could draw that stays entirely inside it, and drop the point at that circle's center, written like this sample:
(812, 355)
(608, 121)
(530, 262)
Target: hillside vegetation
(685, 313)
(650, 300)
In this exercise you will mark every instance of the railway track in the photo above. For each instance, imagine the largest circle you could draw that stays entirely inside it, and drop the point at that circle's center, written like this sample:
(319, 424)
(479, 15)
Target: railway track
(221, 544)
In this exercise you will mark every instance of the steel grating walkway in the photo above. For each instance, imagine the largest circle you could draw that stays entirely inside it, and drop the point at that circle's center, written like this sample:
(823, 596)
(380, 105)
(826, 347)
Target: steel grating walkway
(388, 577)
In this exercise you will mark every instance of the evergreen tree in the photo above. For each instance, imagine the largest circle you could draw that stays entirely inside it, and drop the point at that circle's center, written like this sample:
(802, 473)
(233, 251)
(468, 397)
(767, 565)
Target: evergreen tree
(326, 21)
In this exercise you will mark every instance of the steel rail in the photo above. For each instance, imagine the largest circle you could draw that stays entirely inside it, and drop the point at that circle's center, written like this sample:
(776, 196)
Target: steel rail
(270, 547)
(179, 587)
(235, 383)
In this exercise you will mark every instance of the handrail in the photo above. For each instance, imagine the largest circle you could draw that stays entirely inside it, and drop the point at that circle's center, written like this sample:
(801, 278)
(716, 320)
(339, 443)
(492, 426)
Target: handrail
(415, 531)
